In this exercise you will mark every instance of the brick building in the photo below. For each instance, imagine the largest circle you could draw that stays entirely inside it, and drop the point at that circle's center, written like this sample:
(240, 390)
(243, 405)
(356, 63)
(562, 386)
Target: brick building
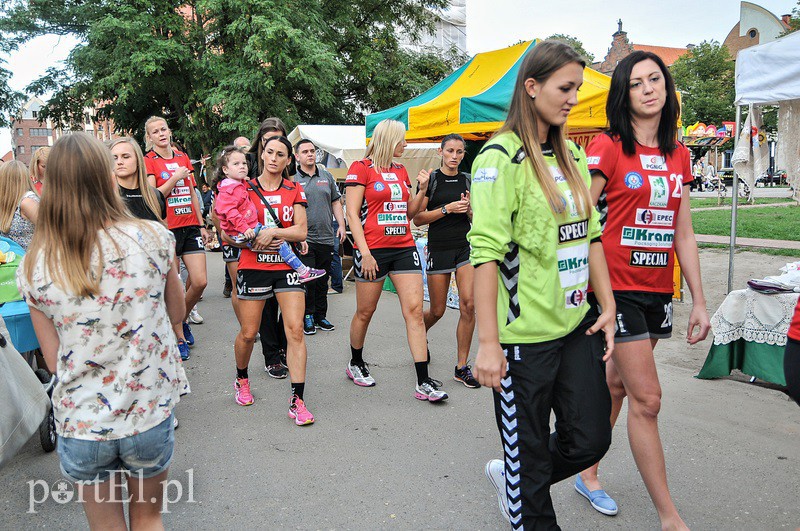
(28, 133)
(756, 26)
(621, 47)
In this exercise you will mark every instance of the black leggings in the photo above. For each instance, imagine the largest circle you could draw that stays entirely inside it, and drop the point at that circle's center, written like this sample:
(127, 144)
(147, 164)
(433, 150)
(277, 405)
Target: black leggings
(791, 368)
(567, 376)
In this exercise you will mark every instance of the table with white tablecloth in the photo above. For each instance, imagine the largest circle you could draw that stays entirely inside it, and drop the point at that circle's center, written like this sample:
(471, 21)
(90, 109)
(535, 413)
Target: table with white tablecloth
(750, 335)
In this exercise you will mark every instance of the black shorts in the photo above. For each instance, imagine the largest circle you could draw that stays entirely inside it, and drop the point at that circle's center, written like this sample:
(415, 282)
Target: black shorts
(230, 253)
(259, 285)
(640, 315)
(188, 241)
(399, 261)
(447, 261)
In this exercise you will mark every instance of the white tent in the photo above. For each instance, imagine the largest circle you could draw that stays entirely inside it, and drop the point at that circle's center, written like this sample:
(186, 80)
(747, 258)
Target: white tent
(769, 74)
(345, 144)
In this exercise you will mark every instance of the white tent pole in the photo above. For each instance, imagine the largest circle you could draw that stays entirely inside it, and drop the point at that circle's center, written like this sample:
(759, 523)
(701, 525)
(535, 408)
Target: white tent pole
(734, 201)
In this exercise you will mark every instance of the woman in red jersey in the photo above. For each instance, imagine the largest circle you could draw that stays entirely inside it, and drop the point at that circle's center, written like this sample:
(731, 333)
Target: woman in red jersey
(171, 172)
(640, 181)
(263, 274)
(379, 206)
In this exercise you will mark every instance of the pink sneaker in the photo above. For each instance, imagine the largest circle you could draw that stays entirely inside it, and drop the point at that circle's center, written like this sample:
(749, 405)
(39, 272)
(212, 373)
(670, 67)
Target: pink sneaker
(310, 274)
(298, 412)
(243, 395)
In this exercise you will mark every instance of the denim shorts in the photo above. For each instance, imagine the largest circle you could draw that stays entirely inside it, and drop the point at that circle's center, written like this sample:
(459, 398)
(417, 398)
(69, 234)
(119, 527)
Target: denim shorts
(145, 455)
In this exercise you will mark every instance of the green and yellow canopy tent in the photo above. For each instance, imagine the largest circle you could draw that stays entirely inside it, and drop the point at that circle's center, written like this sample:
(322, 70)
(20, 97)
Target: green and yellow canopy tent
(473, 101)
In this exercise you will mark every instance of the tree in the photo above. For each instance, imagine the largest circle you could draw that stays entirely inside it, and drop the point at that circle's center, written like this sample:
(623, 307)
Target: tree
(10, 100)
(705, 78)
(576, 45)
(216, 68)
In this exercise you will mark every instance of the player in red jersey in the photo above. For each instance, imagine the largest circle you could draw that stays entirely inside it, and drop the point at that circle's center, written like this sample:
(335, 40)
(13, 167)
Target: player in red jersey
(379, 206)
(791, 357)
(263, 274)
(171, 172)
(641, 174)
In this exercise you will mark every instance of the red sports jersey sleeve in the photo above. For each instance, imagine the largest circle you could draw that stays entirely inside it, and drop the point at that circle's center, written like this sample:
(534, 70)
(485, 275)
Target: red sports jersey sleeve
(794, 327)
(384, 211)
(180, 212)
(643, 194)
(282, 201)
(601, 155)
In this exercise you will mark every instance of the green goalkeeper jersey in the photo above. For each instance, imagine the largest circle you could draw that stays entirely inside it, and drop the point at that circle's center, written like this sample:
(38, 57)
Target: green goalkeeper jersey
(542, 256)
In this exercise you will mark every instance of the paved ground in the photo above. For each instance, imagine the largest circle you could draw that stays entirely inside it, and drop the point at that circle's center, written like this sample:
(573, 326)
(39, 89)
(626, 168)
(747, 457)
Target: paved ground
(377, 458)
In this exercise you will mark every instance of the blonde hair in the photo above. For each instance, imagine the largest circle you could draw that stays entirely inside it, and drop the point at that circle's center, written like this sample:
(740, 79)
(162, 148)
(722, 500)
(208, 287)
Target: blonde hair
(540, 63)
(40, 154)
(82, 200)
(14, 183)
(148, 144)
(146, 190)
(385, 137)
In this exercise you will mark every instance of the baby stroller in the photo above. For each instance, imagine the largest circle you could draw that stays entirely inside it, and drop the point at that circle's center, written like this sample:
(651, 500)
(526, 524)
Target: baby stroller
(47, 429)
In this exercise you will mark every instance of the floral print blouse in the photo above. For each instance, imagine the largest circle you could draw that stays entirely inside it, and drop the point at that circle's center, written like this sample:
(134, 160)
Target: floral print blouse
(21, 230)
(119, 370)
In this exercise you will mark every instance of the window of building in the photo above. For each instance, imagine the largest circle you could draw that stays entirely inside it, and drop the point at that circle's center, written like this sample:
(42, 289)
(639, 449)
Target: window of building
(20, 150)
(752, 33)
(87, 119)
(40, 131)
(35, 114)
(19, 131)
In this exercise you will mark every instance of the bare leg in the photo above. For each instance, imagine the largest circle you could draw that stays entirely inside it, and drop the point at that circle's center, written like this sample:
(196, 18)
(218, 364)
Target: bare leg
(367, 295)
(250, 317)
(145, 513)
(466, 307)
(409, 290)
(437, 289)
(293, 305)
(196, 266)
(101, 512)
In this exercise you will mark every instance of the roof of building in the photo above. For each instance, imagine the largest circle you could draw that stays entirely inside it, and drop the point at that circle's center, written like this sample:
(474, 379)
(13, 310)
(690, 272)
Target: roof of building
(8, 157)
(667, 54)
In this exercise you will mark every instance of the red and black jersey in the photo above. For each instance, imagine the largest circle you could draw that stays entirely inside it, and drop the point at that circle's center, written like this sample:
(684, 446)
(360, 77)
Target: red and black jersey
(384, 212)
(179, 201)
(642, 195)
(794, 328)
(282, 202)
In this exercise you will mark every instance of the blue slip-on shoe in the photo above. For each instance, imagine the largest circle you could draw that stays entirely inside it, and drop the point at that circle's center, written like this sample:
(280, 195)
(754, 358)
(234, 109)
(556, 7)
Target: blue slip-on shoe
(602, 502)
(187, 334)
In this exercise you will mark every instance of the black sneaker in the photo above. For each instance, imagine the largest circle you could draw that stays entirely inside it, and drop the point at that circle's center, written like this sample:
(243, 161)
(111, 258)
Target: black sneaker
(324, 324)
(282, 356)
(464, 375)
(226, 291)
(308, 325)
(276, 371)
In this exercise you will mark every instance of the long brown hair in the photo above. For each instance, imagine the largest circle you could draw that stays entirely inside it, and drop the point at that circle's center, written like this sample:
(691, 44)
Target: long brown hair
(540, 63)
(82, 199)
(269, 125)
(148, 194)
(14, 183)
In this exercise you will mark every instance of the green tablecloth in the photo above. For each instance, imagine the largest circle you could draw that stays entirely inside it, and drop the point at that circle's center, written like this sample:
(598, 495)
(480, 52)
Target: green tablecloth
(761, 360)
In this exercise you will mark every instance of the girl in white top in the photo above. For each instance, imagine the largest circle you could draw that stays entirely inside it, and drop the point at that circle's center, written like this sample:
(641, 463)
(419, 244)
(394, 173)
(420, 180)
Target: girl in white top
(103, 296)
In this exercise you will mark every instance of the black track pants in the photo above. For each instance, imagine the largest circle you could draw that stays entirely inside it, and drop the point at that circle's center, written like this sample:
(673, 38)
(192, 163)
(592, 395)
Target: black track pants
(567, 376)
(791, 368)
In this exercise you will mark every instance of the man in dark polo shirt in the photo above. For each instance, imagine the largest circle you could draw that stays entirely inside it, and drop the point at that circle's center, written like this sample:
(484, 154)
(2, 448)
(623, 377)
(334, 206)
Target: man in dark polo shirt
(324, 205)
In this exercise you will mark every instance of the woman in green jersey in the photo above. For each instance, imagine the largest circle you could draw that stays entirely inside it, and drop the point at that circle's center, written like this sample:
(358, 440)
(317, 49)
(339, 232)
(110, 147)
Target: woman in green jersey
(536, 245)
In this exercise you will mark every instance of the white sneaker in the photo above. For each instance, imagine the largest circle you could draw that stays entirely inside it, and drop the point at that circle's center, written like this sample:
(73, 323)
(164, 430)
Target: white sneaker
(195, 317)
(496, 472)
(359, 374)
(428, 390)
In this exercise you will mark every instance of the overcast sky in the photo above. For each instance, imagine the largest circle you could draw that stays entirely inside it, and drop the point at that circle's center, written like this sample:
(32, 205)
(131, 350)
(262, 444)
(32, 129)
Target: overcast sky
(493, 24)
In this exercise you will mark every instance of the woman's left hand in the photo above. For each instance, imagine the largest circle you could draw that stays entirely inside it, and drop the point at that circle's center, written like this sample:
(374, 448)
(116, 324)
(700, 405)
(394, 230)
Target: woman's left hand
(607, 323)
(698, 318)
(263, 240)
